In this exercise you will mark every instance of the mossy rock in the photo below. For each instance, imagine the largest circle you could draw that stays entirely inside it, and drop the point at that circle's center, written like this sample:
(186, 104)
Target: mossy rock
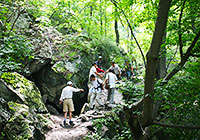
(25, 90)
(4, 113)
(25, 124)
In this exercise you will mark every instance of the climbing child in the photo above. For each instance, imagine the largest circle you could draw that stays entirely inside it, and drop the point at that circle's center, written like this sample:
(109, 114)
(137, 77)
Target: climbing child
(95, 91)
(66, 98)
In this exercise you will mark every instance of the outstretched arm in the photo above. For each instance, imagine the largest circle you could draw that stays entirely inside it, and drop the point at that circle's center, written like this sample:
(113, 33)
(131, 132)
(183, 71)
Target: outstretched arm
(99, 74)
(77, 90)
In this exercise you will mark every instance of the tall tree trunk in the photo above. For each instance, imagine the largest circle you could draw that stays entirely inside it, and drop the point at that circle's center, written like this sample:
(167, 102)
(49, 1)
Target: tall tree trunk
(101, 20)
(152, 59)
(116, 32)
(116, 28)
(105, 19)
(91, 10)
(161, 68)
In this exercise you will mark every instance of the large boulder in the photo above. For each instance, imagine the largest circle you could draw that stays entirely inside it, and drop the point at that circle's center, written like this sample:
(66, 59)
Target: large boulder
(4, 113)
(25, 90)
(25, 124)
(6, 93)
(50, 84)
(20, 112)
(35, 65)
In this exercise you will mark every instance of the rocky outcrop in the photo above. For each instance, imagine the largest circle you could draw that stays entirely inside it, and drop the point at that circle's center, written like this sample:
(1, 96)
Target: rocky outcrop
(26, 90)
(4, 114)
(25, 123)
(23, 114)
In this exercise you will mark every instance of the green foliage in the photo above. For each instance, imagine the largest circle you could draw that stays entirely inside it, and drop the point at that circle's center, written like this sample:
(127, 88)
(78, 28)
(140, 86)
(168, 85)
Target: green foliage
(131, 91)
(181, 102)
(14, 50)
(115, 122)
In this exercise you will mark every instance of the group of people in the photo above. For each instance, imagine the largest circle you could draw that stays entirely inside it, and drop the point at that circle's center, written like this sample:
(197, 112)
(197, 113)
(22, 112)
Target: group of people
(96, 87)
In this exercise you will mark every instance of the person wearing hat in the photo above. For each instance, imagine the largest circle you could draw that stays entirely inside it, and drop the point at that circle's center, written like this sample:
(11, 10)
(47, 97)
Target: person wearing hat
(99, 62)
(66, 98)
(116, 69)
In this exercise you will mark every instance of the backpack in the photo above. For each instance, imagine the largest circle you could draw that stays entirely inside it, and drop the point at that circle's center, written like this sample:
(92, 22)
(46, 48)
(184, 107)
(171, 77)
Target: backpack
(100, 84)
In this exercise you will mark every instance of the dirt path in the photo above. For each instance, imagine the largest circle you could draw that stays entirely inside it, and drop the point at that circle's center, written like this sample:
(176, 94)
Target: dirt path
(80, 128)
(59, 133)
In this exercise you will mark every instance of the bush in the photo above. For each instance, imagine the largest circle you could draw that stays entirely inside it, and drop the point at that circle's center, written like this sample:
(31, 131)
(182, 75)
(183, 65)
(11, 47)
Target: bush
(14, 50)
(181, 102)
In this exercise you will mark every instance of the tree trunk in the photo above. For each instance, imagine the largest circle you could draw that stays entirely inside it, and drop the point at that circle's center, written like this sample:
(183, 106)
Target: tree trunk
(101, 20)
(91, 10)
(152, 59)
(105, 20)
(161, 68)
(116, 31)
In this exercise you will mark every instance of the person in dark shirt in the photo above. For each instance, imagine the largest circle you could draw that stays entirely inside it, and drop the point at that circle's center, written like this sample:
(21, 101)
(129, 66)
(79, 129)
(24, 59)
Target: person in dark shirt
(128, 69)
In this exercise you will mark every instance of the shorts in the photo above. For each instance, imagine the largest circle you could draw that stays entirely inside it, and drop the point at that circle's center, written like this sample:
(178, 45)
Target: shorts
(68, 105)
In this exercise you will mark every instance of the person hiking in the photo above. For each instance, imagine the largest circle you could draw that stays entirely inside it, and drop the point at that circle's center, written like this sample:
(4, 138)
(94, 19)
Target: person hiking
(95, 91)
(66, 98)
(111, 78)
(128, 69)
(99, 62)
(116, 69)
(93, 71)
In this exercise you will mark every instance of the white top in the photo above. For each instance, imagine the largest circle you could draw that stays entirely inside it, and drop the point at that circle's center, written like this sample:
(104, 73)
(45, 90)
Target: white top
(112, 79)
(116, 68)
(96, 84)
(67, 92)
(92, 71)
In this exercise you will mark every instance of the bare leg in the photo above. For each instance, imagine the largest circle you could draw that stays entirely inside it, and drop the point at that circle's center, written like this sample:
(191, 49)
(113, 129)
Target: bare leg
(70, 116)
(65, 115)
(65, 118)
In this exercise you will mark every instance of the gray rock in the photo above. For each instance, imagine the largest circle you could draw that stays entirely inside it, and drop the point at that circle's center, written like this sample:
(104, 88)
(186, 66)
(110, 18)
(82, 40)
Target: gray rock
(51, 84)
(35, 65)
(25, 90)
(52, 110)
(4, 113)
(25, 123)
(6, 93)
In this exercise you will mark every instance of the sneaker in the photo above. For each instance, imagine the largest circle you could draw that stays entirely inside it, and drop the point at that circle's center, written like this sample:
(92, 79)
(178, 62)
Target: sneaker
(64, 122)
(71, 123)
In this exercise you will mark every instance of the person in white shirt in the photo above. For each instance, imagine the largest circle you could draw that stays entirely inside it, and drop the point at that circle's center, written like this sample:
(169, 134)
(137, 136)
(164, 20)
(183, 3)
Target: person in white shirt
(66, 98)
(95, 91)
(111, 78)
(116, 69)
(93, 71)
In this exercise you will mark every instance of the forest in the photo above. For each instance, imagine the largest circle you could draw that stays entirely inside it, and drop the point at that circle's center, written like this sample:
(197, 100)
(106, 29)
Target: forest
(46, 43)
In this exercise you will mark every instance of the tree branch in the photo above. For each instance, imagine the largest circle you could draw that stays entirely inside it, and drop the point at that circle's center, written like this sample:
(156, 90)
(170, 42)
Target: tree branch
(131, 29)
(179, 32)
(172, 59)
(135, 106)
(19, 13)
(195, 55)
(185, 58)
(176, 126)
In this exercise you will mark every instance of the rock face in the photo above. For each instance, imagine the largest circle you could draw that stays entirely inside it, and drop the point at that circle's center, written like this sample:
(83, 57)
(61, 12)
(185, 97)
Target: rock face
(50, 84)
(20, 111)
(25, 123)
(4, 113)
(26, 90)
